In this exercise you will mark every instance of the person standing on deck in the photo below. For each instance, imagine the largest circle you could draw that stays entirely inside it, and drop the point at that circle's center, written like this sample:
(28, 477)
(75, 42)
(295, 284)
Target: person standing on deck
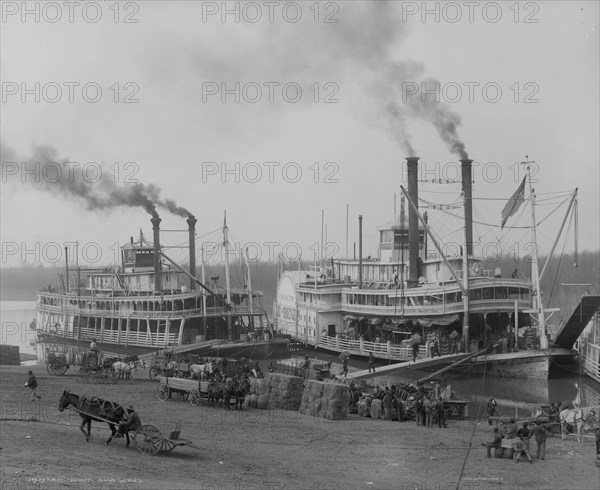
(345, 367)
(371, 362)
(415, 349)
(435, 348)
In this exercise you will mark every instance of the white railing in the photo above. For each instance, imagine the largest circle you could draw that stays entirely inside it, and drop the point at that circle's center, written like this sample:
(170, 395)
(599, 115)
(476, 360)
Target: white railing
(143, 314)
(590, 359)
(436, 309)
(140, 338)
(363, 347)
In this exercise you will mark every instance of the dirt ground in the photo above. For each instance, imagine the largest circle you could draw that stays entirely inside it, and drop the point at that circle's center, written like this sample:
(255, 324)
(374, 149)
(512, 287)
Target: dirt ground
(41, 448)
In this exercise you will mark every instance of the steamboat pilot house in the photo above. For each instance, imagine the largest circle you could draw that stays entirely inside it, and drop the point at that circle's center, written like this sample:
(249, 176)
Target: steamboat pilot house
(147, 301)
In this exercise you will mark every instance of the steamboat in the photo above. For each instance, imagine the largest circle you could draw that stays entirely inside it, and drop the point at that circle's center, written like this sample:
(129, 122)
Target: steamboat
(149, 302)
(444, 300)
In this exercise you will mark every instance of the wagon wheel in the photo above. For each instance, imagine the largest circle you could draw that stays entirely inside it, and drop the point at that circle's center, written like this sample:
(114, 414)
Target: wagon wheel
(163, 392)
(183, 395)
(167, 445)
(56, 369)
(148, 439)
(155, 373)
(194, 398)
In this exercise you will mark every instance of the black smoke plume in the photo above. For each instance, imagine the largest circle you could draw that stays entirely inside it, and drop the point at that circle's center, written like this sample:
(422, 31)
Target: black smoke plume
(53, 174)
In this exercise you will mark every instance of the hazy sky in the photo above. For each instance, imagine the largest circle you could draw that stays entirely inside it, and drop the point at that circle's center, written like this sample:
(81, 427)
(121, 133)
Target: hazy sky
(275, 111)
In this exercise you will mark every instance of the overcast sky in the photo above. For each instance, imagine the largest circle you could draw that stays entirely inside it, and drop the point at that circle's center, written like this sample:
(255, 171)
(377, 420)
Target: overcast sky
(329, 103)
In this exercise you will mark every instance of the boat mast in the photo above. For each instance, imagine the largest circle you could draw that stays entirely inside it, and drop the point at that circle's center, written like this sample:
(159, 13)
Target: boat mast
(204, 329)
(227, 284)
(250, 291)
(535, 273)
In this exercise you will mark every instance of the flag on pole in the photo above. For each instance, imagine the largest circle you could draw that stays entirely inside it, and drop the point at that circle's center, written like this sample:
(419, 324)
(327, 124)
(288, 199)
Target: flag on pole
(514, 203)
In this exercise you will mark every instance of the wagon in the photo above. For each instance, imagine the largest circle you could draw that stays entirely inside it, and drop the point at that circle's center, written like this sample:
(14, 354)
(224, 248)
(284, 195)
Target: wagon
(149, 440)
(92, 373)
(185, 389)
(56, 364)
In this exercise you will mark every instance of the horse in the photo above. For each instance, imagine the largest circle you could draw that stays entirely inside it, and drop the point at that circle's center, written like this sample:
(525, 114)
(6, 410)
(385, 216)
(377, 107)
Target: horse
(578, 417)
(215, 393)
(122, 369)
(241, 390)
(93, 409)
(229, 388)
(197, 370)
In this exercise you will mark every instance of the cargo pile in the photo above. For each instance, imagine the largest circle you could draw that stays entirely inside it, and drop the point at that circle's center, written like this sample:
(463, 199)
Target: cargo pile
(275, 391)
(325, 400)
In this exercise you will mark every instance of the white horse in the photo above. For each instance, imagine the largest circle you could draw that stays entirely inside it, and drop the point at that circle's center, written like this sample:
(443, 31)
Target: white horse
(122, 369)
(578, 417)
(197, 370)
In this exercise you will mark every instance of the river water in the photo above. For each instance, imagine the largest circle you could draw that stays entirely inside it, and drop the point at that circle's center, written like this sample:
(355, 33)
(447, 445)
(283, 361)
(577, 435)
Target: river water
(579, 390)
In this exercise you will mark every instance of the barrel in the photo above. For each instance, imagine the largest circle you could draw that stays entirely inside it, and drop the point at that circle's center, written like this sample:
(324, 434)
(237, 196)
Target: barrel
(508, 453)
(498, 452)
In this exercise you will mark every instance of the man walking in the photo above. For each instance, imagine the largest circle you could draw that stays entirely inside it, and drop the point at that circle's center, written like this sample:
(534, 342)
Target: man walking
(32, 384)
(345, 367)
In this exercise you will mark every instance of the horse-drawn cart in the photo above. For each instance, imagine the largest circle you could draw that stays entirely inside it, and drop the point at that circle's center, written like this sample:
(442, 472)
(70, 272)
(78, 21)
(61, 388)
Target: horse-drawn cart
(92, 372)
(149, 440)
(185, 389)
(56, 364)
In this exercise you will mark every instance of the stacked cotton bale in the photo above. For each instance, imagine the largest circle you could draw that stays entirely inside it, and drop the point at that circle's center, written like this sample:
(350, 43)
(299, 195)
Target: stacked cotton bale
(275, 391)
(364, 406)
(376, 408)
(285, 391)
(258, 397)
(325, 400)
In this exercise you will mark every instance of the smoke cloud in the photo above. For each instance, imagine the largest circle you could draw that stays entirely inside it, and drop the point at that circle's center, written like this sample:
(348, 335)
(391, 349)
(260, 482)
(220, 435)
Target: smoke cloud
(46, 171)
(362, 47)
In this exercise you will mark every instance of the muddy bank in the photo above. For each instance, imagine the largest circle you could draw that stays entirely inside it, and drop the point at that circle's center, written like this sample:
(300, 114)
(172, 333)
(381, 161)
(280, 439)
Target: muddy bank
(273, 449)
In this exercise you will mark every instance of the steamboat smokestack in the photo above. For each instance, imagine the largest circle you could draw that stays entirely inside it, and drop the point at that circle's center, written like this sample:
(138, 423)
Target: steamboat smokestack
(157, 270)
(467, 189)
(191, 221)
(413, 220)
(360, 263)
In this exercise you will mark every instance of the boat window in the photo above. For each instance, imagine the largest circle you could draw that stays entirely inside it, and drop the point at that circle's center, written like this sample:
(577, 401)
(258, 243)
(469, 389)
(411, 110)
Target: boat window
(488, 293)
(475, 294)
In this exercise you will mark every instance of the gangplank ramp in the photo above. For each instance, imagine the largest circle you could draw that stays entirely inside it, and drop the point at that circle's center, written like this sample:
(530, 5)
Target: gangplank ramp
(182, 348)
(420, 364)
(581, 316)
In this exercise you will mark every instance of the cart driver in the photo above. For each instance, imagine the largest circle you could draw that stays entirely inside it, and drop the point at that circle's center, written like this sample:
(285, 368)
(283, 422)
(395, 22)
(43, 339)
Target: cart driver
(131, 423)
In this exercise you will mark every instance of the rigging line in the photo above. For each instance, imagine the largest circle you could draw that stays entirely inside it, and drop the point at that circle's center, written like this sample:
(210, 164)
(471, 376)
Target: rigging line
(462, 470)
(560, 261)
(499, 226)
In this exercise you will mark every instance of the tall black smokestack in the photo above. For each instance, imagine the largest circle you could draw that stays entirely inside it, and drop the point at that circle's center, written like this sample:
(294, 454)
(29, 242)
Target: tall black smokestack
(157, 270)
(467, 189)
(413, 220)
(191, 221)
(360, 263)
